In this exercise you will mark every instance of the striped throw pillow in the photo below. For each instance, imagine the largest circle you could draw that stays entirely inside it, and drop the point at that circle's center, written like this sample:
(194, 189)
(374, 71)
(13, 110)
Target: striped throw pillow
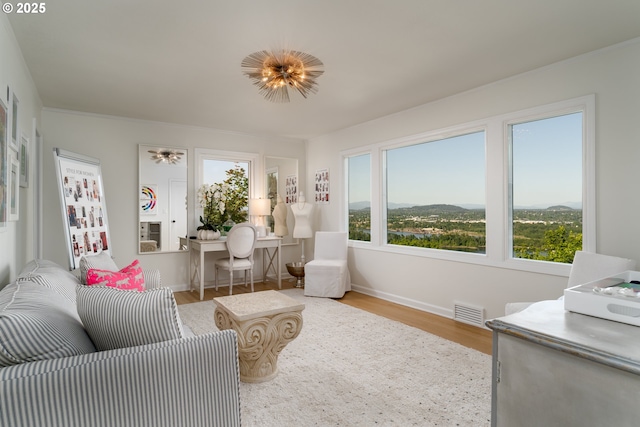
(50, 275)
(102, 261)
(116, 318)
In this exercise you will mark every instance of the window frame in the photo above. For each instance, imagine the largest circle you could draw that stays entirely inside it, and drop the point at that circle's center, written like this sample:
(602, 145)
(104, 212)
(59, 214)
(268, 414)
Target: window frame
(255, 173)
(585, 105)
(436, 137)
(497, 164)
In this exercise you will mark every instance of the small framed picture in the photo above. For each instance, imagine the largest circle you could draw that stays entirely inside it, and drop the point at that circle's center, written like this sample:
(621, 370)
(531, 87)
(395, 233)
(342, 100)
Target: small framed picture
(322, 186)
(24, 161)
(4, 157)
(14, 187)
(14, 123)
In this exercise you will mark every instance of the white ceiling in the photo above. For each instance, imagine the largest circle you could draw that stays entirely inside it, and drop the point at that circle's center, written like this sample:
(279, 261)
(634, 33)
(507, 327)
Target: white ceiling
(179, 61)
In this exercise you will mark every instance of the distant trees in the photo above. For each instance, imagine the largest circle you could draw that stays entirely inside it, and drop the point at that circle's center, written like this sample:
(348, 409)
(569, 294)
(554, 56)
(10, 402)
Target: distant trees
(237, 194)
(360, 235)
(451, 241)
(541, 234)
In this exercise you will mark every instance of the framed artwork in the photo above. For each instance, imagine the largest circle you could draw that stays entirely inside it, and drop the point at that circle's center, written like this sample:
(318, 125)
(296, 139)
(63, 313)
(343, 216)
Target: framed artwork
(14, 187)
(14, 122)
(148, 199)
(4, 177)
(322, 186)
(82, 201)
(24, 161)
(291, 189)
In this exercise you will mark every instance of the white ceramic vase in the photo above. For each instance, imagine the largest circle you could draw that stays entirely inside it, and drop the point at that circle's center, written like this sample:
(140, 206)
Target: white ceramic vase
(208, 234)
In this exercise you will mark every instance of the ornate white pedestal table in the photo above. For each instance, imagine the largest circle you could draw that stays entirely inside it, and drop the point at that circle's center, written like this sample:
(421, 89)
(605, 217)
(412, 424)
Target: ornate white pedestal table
(265, 323)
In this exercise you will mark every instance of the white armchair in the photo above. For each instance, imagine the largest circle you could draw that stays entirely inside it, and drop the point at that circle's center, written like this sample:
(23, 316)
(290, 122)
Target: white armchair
(586, 267)
(328, 274)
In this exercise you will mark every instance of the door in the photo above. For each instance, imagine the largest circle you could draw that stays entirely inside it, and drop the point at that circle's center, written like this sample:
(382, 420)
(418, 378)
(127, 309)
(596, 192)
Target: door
(177, 213)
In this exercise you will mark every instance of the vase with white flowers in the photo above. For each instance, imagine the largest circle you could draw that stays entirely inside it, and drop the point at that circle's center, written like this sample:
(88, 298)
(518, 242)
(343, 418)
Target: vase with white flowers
(211, 198)
(225, 202)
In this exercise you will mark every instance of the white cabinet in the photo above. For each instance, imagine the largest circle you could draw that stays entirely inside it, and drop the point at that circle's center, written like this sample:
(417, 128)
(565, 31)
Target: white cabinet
(552, 367)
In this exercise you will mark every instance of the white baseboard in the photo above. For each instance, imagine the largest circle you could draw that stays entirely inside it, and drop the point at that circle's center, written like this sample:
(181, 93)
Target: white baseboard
(407, 302)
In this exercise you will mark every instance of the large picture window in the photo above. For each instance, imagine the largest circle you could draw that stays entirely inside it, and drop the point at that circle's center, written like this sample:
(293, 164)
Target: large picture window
(436, 194)
(515, 190)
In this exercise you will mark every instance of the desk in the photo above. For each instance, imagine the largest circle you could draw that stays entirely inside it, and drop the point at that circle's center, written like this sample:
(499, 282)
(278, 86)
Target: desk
(197, 249)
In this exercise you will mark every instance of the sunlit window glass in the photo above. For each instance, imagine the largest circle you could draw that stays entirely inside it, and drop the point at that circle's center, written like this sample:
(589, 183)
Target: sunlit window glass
(232, 178)
(546, 188)
(359, 197)
(436, 194)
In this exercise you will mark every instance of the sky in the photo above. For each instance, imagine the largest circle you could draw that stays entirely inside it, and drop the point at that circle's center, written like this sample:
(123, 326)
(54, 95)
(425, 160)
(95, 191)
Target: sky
(545, 153)
(214, 171)
(547, 161)
(448, 171)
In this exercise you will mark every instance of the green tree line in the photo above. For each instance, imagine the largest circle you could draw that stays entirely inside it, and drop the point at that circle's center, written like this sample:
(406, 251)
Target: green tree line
(555, 237)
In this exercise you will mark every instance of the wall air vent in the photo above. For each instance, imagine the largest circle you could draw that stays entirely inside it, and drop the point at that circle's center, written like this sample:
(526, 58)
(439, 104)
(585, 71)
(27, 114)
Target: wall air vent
(468, 314)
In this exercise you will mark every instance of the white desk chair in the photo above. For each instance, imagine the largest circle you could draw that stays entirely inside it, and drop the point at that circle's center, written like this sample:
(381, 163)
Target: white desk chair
(328, 274)
(241, 241)
(587, 267)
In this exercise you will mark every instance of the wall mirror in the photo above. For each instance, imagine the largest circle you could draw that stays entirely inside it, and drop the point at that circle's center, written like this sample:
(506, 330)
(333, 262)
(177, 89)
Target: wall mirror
(281, 177)
(162, 193)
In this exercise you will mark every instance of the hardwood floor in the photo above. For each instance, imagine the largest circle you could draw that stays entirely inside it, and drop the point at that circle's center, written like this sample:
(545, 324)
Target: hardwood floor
(467, 335)
(187, 297)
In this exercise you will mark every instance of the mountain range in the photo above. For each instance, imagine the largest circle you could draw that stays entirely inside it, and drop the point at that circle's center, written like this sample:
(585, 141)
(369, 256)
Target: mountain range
(458, 208)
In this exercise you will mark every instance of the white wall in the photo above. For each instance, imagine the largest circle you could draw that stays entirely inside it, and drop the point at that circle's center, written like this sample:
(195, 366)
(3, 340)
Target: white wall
(114, 141)
(612, 74)
(17, 238)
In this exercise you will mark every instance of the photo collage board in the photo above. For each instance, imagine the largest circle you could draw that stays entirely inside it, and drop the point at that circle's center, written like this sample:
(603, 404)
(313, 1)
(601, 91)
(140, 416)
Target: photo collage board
(85, 213)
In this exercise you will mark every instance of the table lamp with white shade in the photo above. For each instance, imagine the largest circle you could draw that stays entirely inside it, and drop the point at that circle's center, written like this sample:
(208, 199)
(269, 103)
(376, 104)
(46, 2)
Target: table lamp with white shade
(259, 208)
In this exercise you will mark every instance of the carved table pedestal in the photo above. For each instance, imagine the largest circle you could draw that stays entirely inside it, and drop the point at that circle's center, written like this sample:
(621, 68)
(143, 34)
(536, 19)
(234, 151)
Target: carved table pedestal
(265, 323)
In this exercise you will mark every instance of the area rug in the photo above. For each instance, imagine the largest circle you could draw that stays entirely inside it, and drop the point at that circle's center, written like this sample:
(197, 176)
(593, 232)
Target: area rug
(349, 367)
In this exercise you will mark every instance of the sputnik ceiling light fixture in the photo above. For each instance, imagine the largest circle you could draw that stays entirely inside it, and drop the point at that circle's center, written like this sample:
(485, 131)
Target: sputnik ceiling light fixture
(166, 156)
(275, 72)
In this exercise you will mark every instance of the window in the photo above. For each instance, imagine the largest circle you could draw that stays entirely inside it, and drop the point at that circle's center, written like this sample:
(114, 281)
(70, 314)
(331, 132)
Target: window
(235, 171)
(436, 194)
(234, 178)
(546, 188)
(508, 191)
(359, 197)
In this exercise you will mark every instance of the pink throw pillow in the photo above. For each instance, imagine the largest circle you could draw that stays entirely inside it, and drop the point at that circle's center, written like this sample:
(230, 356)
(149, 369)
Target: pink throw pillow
(129, 278)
